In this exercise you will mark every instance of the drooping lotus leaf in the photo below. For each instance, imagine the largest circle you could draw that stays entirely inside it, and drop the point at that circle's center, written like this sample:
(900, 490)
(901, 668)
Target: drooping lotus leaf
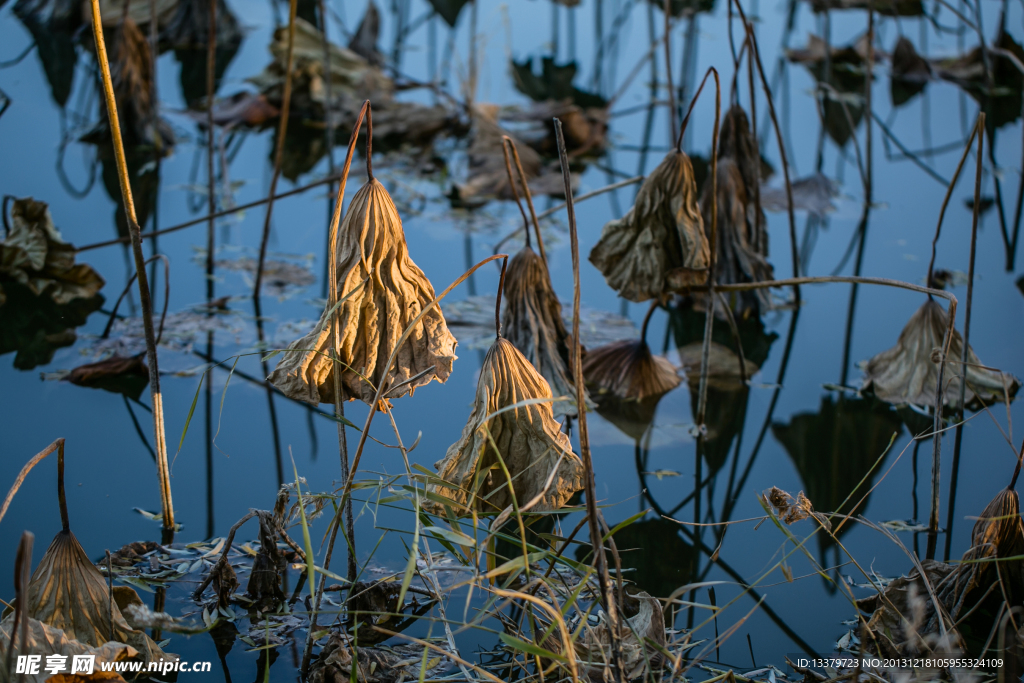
(906, 373)
(532, 321)
(629, 370)
(659, 246)
(67, 592)
(371, 243)
(527, 438)
(742, 235)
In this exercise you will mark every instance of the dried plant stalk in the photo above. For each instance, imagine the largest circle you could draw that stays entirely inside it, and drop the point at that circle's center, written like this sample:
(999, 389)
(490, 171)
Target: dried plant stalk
(908, 372)
(371, 244)
(660, 245)
(528, 439)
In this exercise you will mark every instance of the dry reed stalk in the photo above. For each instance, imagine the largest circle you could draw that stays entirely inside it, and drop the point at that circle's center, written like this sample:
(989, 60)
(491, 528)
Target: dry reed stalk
(160, 441)
(593, 514)
(282, 131)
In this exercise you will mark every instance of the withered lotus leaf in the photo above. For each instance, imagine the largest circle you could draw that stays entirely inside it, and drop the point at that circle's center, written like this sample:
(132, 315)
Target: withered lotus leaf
(45, 640)
(629, 370)
(67, 592)
(593, 646)
(527, 437)
(907, 373)
(742, 237)
(35, 255)
(370, 322)
(660, 245)
(532, 321)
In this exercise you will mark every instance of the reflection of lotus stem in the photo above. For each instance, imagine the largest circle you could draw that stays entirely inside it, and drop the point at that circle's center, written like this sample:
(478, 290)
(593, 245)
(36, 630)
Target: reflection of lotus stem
(134, 231)
(593, 520)
(958, 436)
(282, 130)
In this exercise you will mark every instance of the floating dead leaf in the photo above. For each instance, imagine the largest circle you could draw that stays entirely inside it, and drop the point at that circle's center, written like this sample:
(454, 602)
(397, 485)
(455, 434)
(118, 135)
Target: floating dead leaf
(128, 376)
(789, 509)
(659, 246)
(813, 194)
(532, 321)
(375, 664)
(512, 420)
(593, 646)
(907, 372)
(629, 370)
(371, 247)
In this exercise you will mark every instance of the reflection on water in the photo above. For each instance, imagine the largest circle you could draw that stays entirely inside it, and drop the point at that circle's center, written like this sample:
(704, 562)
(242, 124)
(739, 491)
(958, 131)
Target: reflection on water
(451, 77)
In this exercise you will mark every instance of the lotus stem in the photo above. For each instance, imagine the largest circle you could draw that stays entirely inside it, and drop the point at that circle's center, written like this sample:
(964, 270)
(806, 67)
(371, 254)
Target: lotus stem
(160, 441)
(506, 142)
(497, 302)
(755, 53)
(36, 459)
(339, 409)
(709, 321)
(666, 8)
(593, 519)
(219, 214)
(958, 435)
(529, 202)
(945, 202)
(1016, 470)
(282, 131)
(128, 287)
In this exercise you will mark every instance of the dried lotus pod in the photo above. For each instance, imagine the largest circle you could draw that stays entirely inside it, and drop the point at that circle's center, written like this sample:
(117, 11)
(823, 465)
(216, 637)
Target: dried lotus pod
(386, 291)
(629, 370)
(529, 440)
(660, 245)
(907, 372)
(742, 234)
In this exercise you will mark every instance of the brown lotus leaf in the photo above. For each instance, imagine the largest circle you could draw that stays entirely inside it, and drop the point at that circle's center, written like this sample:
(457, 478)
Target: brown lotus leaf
(742, 234)
(997, 534)
(628, 370)
(67, 592)
(130, 554)
(660, 245)
(374, 664)
(528, 439)
(789, 509)
(593, 646)
(532, 321)
(35, 255)
(225, 582)
(46, 640)
(371, 320)
(128, 376)
(907, 372)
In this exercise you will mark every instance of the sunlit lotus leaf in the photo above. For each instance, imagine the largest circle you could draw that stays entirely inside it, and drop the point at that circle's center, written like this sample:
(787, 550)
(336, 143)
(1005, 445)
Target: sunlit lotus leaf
(526, 437)
(593, 645)
(742, 235)
(532, 321)
(370, 321)
(629, 370)
(907, 373)
(659, 246)
(68, 592)
(45, 640)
